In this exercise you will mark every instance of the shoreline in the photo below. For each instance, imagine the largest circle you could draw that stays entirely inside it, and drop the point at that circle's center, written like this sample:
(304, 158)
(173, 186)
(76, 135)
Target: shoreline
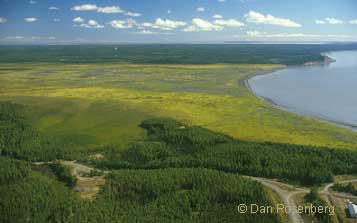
(276, 105)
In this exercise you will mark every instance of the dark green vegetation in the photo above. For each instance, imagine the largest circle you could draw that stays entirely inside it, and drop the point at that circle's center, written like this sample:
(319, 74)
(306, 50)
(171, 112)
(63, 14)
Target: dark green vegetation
(11, 171)
(175, 195)
(173, 144)
(98, 96)
(348, 188)
(63, 173)
(168, 195)
(171, 54)
(28, 196)
(18, 139)
(180, 173)
(163, 195)
(314, 198)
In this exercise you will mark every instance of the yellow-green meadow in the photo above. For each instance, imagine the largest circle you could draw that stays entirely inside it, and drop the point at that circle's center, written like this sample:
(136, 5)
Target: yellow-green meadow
(101, 104)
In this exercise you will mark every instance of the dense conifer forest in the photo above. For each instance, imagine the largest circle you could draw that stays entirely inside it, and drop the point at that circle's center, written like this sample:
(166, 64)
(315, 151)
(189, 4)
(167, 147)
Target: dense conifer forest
(171, 143)
(179, 173)
(20, 141)
(290, 54)
(163, 195)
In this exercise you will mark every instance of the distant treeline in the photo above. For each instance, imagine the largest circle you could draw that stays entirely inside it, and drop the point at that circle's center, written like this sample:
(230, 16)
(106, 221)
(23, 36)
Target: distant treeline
(289, 54)
(174, 144)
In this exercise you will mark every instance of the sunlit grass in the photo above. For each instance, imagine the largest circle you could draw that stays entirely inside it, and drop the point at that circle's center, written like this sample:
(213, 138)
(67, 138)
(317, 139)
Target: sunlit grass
(103, 104)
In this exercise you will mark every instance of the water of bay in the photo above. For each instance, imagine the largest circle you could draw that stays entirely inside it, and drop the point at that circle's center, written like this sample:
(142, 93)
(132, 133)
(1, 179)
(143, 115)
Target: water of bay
(326, 92)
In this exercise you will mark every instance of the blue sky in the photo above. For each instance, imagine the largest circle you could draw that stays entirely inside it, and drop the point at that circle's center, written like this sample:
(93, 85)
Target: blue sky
(176, 21)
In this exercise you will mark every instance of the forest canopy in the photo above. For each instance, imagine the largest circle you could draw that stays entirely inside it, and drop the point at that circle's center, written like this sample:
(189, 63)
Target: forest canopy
(178, 173)
(178, 145)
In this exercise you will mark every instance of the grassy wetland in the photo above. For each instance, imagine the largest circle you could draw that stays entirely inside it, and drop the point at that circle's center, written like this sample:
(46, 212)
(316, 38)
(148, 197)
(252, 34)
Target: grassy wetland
(102, 104)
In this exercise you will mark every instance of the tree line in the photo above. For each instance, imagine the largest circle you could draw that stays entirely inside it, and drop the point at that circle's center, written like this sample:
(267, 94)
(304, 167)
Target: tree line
(179, 173)
(171, 143)
(30, 194)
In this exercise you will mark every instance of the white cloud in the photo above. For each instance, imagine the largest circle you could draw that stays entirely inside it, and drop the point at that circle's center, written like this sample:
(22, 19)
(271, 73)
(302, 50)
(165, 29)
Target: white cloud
(28, 38)
(14, 37)
(256, 17)
(167, 24)
(228, 22)
(123, 24)
(119, 24)
(168, 11)
(53, 8)
(164, 24)
(320, 21)
(221, 0)
(205, 25)
(78, 20)
(258, 34)
(92, 24)
(56, 20)
(334, 21)
(2, 20)
(110, 9)
(200, 9)
(253, 33)
(84, 25)
(217, 16)
(147, 32)
(32, 2)
(191, 29)
(279, 35)
(147, 24)
(107, 9)
(133, 14)
(330, 21)
(202, 25)
(32, 19)
(131, 22)
(85, 7)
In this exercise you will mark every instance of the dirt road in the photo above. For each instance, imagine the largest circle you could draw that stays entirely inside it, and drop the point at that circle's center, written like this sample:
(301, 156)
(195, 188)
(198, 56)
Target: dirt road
(89, 186)
(286, 193)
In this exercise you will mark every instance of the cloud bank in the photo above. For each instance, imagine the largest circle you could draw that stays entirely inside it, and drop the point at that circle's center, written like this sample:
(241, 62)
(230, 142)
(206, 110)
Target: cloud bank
(256, 17)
